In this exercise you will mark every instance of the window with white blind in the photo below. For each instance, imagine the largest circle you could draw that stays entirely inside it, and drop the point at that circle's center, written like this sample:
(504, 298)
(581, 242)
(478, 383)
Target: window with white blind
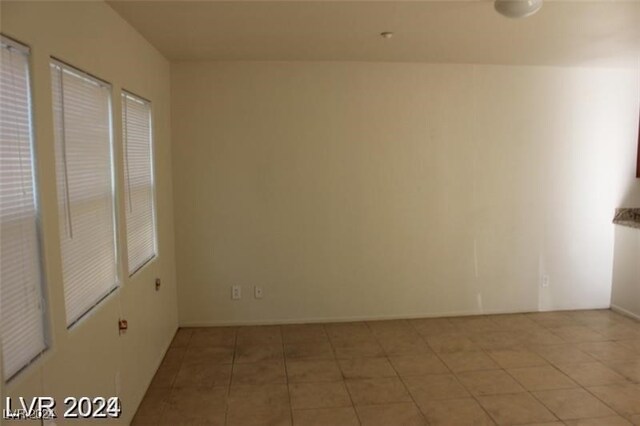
(139, 186)
(84, 168)
(22, 305)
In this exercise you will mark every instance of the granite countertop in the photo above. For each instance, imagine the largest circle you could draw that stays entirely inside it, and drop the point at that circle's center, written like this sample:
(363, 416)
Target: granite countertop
(628, 217)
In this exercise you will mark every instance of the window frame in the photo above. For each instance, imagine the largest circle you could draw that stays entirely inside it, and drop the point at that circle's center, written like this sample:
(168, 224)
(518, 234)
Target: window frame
(62, 64)
(47, 341)
(154, 209)
(638, 163)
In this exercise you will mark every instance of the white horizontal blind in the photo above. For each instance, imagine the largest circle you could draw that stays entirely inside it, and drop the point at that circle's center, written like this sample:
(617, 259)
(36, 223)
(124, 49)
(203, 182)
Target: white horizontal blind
(21, 302)
(139, 186)
(84, 165)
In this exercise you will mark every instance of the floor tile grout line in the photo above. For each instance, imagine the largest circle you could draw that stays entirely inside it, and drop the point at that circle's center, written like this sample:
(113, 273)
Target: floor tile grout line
(233, 366)
(410, 394)
(555, 367)
(455, 375)
(286, 373)
(406, 388)
(623, 415)
(577, 385)
(531, 393)
(344, 381)
(474, 397)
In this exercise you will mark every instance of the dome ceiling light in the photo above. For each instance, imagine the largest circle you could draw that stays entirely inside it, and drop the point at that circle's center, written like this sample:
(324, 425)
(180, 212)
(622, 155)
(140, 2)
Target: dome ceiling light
(517, 8)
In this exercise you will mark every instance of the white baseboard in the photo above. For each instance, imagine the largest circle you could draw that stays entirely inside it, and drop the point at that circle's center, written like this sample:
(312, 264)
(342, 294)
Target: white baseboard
(624, 311)
(279, 321)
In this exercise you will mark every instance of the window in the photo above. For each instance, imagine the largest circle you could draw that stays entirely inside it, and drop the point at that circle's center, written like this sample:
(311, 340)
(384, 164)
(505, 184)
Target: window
(84, 168)
(638, 164)
(139, 187)
(21, 300)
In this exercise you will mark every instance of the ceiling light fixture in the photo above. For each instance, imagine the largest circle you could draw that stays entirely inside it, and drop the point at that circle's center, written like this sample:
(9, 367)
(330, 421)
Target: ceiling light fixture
(386, 34)
(517, 8)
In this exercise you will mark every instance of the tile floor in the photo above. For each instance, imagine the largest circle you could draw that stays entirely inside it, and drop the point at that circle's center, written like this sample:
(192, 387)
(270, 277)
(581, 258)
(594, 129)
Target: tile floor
(573, 368)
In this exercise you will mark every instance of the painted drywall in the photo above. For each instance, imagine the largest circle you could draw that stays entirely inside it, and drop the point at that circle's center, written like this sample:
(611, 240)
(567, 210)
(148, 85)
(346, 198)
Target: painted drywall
(626, 271)
(371, 190)
(91, 359)
(562, 33)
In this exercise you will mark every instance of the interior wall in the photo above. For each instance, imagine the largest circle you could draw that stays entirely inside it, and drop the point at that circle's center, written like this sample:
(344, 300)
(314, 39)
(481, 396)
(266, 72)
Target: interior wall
(91, 359)
(626, 271)
(625, 295)
(381, 190)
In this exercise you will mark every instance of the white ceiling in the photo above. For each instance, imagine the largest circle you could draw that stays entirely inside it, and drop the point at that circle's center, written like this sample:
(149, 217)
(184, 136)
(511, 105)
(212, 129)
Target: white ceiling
(562, 33)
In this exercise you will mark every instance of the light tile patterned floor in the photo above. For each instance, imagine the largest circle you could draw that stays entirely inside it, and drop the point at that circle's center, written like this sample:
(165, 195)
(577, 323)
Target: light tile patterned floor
(574, 368)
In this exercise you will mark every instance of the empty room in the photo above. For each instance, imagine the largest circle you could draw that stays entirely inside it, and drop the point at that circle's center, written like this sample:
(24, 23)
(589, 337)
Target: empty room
(327, 213)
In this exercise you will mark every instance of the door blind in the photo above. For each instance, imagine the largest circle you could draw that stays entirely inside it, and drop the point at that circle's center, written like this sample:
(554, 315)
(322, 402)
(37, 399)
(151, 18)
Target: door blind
(21, 302)
(84, 167)
(139, 186)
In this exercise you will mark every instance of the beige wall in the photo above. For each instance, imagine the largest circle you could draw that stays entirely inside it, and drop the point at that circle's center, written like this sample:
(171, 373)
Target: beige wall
(88, 359)
(369, 190)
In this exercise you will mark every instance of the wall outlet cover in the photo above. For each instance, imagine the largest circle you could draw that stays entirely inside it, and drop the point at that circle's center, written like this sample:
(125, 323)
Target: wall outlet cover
(544, 282)
(236, 292)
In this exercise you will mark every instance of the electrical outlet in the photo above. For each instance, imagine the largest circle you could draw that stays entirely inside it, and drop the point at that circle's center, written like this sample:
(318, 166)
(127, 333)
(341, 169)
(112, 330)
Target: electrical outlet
(544, 281)
(258, 292)
(236, 292)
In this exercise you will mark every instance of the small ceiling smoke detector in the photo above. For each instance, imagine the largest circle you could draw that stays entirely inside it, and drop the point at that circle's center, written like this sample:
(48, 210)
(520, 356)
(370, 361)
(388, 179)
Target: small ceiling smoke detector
(517, 8)
(386, 34)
